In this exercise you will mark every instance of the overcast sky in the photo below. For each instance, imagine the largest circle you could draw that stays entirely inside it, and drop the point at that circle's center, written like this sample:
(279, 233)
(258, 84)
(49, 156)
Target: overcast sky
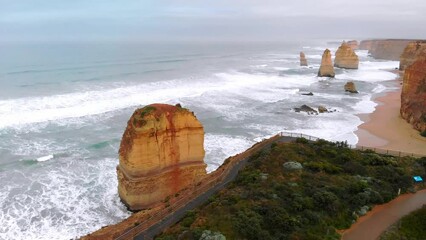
(92, 20)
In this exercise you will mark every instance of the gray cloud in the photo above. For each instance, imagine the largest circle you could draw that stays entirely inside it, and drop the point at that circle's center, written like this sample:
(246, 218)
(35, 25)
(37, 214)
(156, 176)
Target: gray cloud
(54, 20)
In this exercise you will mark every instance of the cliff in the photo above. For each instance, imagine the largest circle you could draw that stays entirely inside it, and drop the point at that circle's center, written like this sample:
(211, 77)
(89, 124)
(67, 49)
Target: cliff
(346, 57)
(413, 96)
(388, 49)
(326, 68)
(353, 44)
(161, 153)
(303, 61)
(411, 52)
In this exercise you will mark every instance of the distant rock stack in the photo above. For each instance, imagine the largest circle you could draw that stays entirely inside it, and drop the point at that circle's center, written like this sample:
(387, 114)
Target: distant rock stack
(413, 95)
(346, 57)
(326, 68)
(303, 61)
(161, 153)
(350, 87)
(353, 44)
(411, 53)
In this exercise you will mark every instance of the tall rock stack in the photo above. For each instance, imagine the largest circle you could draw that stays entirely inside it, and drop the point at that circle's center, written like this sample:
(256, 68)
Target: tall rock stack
(346, 57)
(303, 61)
(411, 53)
(161, 153)
(326, 68)
(413, 96)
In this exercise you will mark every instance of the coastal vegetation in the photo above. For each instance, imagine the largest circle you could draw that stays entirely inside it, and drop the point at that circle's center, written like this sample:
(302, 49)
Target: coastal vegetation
(300, 190)
(411, 227)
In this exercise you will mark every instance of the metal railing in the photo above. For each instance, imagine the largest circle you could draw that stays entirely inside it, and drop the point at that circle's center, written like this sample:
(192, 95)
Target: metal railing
(358, 147)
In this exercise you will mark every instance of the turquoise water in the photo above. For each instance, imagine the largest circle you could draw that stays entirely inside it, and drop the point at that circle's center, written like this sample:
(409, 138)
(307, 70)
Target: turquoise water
(64, 107)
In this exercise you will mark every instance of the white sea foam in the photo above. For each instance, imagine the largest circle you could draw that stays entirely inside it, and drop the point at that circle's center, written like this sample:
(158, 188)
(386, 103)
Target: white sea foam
(58, 204)
(44, 158)
(333, 127)
(362, 53)
(219, 147)
(369, 75)
(366, 105)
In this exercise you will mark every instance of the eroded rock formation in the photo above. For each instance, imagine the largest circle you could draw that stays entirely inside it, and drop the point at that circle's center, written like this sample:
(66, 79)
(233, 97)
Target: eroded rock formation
(389, 49)
(346, 57)
(411, 53)
(161, 153)
(350, 87)
(413, 96)
(303, 61)
(353, 44)
(326, 68)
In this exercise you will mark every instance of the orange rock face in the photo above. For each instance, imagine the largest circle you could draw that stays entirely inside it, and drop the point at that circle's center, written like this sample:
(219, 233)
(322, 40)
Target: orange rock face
(303, 61)
(389, 49)
(353, 44)
(411, 53)
(346, 57)
(326, 68)
(161, 152)
(413, 96)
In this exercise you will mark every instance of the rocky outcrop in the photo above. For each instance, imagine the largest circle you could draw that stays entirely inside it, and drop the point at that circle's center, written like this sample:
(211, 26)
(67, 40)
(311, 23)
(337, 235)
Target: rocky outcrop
(413, 96)
(307, 109)
(350, 87)
(353, 44)
(161, 153)
(411, 53)
(346, 57)
(326, 68)
(322, 109)
(303, 61)
(388, 49)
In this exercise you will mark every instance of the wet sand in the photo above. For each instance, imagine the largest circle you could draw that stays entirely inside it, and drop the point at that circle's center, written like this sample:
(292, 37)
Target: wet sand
(384, 128)
(370, 226)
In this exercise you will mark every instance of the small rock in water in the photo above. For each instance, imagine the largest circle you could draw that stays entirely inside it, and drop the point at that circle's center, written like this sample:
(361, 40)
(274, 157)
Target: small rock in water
(308, 94)
(322, 109)
(306, 108)
(350, 87)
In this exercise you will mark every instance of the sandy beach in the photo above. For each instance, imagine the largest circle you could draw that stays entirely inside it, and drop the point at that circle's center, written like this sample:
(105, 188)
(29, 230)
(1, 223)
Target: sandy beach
(384, 128)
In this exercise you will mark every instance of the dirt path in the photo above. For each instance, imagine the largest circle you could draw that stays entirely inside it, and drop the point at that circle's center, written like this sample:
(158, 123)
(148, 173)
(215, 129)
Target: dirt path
(370, 226)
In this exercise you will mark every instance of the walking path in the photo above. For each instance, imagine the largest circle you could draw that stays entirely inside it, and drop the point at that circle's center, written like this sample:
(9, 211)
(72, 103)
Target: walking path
(370, 226)
(178, 214)
(156, 227)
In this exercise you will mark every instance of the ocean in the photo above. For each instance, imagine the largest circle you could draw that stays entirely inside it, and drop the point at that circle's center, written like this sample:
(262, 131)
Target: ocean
(64, 108)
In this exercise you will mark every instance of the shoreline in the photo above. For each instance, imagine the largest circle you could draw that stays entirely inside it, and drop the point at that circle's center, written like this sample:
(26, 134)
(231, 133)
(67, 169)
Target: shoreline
(384, 128)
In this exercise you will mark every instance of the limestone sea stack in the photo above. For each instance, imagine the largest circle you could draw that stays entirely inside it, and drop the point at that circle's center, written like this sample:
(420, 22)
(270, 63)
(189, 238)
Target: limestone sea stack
(303, 61)
(353, 44)
(161, 153)
(346, 57)
(411, 53)
(413, 96)
(326, 68)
